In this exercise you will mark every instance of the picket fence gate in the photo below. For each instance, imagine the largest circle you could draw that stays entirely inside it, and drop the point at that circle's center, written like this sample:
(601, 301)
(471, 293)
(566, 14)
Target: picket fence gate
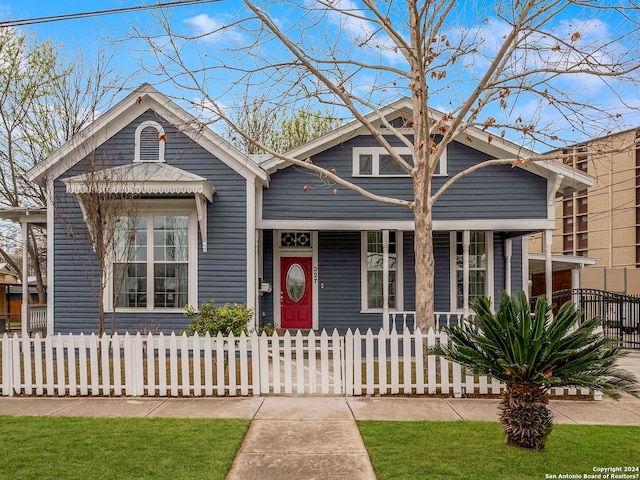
(180, 365)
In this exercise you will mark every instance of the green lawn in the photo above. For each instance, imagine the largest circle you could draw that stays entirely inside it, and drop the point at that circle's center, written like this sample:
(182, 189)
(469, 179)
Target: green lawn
(118, 448)
(476, 451)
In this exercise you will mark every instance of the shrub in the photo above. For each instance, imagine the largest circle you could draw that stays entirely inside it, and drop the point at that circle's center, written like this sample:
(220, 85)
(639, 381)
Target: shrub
(231, 318)
(270, 330)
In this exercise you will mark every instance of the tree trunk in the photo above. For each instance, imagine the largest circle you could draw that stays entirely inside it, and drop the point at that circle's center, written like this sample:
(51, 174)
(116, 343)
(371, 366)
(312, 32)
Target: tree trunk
(422, 175)
(424, 265)
(525, 416)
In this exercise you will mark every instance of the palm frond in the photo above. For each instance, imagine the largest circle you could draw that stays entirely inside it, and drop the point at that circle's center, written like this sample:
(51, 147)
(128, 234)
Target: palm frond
(516, 345)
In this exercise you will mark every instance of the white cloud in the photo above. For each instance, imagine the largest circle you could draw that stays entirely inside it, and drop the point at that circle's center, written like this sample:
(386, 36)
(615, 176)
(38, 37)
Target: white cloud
(212, 30)
(362, 33)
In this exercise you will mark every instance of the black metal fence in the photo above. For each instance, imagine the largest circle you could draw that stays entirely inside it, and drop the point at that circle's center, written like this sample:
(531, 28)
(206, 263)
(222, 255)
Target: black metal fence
(620, 314)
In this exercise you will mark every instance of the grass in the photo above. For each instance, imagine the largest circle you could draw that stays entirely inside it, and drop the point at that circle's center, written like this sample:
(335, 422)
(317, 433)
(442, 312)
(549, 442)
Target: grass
(117, 448)
(476, 450)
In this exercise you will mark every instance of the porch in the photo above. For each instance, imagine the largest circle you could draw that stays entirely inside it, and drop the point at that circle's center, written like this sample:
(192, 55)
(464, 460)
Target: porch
(36, 321)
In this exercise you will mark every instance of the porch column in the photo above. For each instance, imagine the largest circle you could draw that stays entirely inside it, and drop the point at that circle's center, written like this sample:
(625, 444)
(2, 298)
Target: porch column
(575, 278)
(25, 280)
(385, 278)
(507, 265)
(548, 264)
(466, 241)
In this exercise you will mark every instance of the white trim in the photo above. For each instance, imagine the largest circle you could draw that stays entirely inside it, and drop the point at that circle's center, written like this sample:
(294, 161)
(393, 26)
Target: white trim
(364, 306)
(161, 141)
(489, 287)
(508, 253)
(252, 278)
(491, 267)
(525, 265)
(50, 256)
(125, 112)
(552, 189)
(315, 273)
(526, 225)
(375, 153)
(473, 137)
(24, 306)
(149, 209)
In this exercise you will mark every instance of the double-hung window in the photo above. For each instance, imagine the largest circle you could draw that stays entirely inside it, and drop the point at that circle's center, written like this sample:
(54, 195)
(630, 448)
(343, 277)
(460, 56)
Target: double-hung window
(154, 266)
(478, 260)
(374, 257)
(378, 162)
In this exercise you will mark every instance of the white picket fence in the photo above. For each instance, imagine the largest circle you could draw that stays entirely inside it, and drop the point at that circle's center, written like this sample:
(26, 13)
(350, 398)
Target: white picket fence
(159, 365)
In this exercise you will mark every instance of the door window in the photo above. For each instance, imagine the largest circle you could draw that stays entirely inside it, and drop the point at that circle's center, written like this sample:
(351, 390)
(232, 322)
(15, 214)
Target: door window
(295, 282)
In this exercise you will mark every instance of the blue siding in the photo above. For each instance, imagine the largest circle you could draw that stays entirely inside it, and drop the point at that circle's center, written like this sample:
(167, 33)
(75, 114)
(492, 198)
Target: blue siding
(221, 270)
(442, 282)
(506, 192)
(409, 272)
(339, 273)
(516, 265)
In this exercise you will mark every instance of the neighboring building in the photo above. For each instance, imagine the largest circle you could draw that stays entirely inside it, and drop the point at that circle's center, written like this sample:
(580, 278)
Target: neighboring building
(8, 278)
(599, 226)
(212, 223)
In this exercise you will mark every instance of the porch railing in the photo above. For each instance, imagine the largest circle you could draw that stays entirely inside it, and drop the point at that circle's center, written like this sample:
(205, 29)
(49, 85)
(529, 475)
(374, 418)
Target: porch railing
(37, 319)
(400, 321)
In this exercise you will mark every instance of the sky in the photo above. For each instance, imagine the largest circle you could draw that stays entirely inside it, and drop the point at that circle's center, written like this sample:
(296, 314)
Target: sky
(98, 33)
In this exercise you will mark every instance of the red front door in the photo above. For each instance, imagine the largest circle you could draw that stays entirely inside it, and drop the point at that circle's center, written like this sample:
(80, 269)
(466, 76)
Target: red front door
(295, 292)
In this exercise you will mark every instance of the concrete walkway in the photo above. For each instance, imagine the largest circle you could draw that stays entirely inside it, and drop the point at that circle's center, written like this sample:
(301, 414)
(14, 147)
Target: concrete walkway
(312, 437)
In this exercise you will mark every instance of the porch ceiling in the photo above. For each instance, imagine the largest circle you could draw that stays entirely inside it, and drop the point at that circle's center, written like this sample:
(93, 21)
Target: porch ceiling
(559, 262)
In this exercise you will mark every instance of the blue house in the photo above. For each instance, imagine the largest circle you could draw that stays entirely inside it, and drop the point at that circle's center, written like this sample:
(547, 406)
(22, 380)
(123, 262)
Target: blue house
(212, 223)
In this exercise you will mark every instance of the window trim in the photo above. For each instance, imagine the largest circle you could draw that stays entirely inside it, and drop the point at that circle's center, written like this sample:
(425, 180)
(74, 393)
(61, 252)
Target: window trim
(364, 304)
(453, 280)
(375, 152)
(161, 143)
(149, 209)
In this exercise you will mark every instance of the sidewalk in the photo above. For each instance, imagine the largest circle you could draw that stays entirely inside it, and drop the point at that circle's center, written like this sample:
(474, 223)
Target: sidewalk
(307, 437)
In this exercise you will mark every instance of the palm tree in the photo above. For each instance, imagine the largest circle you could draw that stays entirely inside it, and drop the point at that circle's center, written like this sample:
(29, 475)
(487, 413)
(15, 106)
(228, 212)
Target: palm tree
(532, 353)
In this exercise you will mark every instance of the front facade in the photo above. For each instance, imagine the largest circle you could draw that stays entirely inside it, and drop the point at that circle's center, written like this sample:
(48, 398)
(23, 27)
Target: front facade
(206, 222)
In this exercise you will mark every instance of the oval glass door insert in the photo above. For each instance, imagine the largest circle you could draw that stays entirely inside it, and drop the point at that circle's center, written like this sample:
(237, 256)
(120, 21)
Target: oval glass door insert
(295, 282)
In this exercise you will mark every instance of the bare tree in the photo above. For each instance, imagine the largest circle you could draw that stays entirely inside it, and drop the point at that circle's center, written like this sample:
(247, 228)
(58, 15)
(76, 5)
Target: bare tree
(506, 67)
(271, 126)
(45, 100)
(108, 202)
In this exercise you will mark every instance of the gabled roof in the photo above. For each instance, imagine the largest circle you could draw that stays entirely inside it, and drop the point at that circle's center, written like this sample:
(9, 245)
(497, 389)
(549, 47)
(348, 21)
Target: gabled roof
(472, 136)
(132, 106)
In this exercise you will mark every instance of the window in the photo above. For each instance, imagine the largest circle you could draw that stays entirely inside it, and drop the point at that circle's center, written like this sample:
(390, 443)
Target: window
(149, 143)
(295, 239)
(377, 162)
(373, 244)
(480, 267)
(153, 268)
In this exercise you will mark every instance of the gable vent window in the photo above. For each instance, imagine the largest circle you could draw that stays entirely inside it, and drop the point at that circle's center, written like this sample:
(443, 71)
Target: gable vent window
(150, 141)
(377, 162)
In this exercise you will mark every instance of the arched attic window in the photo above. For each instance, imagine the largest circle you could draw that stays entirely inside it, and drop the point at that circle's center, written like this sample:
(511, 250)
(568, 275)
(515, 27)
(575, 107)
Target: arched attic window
(150, 141)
